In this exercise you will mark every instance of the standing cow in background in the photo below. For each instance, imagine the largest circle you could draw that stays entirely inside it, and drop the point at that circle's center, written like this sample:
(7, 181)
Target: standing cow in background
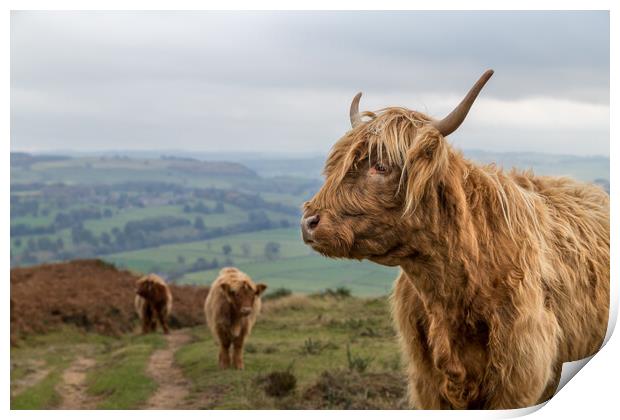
(153, 302)
(231, 308)
(504, 277)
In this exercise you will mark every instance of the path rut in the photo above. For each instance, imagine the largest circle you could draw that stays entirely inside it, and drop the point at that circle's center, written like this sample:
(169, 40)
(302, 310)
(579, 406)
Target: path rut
(173, 388)
(72, 388)
(36, 372)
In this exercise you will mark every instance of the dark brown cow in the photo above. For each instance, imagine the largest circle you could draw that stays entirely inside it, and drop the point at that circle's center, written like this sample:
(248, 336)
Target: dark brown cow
(153, 302)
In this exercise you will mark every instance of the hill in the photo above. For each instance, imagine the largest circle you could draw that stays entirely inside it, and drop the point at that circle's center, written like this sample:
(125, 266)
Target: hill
(77, 346)
(91, 295)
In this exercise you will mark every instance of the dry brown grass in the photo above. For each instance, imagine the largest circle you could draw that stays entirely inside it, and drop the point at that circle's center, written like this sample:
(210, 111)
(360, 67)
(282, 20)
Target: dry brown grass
(90, 294)
(291, 302)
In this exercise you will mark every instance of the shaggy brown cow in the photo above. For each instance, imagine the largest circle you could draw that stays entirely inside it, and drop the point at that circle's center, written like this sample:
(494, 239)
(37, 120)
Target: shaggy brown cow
(504, 277)
(153, 302)
(231, 308)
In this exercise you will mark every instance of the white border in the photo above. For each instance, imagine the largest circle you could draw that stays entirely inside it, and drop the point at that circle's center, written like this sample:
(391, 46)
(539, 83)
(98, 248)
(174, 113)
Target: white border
(592, 393)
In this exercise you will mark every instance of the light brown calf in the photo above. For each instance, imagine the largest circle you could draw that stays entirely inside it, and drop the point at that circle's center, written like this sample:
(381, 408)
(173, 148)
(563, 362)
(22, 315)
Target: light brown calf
(231, 308)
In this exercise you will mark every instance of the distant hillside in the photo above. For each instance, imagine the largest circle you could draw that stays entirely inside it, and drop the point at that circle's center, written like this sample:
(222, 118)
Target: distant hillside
(585, 168)
(26, 159)
(187, 166)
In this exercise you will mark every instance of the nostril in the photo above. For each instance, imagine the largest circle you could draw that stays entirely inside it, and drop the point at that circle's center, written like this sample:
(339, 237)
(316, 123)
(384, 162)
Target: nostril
(313, 221)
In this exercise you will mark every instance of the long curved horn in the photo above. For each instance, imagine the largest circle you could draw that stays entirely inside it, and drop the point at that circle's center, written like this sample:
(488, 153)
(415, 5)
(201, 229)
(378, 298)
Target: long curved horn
(454, 119)
(354, 111)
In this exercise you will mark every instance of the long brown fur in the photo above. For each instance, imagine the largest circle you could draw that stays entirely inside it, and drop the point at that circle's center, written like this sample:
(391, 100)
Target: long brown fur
(231, 293)
(505, 276)
(153, 302)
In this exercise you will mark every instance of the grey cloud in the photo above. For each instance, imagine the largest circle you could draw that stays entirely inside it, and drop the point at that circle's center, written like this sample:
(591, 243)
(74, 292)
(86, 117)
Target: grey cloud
(268, 80)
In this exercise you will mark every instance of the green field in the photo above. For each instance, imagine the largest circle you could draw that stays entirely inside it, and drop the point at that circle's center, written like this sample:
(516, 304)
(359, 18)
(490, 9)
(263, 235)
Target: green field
(297, 268)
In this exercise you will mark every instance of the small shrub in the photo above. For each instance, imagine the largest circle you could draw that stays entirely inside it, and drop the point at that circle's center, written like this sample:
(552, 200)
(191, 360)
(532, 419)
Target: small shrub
(278, 383)
(343, 292)
(339, 293)
(370, 332)
(315, 347)
(358, 363)
(250, 348)
(342, 389)
(270, 350)
(354, 324)
(312, 347)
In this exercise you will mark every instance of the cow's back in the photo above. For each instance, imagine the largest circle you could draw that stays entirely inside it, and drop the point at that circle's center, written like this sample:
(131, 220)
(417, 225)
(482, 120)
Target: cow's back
(578, 255)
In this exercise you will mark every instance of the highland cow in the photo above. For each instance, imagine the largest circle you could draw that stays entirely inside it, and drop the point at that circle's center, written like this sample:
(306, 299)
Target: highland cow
(504, 275)
(231, 308)
(153, 302)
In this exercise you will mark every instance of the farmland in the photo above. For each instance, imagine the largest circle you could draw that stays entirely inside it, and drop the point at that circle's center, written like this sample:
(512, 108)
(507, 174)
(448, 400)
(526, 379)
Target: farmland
(181, 218)
(186, 218)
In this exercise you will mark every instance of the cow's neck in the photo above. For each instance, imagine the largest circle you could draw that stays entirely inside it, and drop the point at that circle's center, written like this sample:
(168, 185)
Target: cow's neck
(449, 253)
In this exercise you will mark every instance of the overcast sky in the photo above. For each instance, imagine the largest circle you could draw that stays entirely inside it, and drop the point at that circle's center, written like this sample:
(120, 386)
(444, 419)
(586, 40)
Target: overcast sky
(283, 82)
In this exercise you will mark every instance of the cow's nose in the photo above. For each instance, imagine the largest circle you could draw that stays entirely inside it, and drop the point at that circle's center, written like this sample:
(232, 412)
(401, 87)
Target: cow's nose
(312, 222)
(246, 311)
(308, 224)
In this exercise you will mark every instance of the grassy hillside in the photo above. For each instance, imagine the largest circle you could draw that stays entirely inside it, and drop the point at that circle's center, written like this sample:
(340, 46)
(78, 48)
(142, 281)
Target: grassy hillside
(305, 352)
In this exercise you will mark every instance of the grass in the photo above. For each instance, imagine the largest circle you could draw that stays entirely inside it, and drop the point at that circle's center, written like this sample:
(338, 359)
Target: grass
(301, 347)
(52, 352)
(40, 396)
(311, 274)
(297, 268)
(120, 377)
(279, 343)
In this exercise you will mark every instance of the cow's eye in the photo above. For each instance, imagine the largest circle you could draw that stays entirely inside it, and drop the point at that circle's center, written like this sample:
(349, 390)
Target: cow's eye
(379, 168)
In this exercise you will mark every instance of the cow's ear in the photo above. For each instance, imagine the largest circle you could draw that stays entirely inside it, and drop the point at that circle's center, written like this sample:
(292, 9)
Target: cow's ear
(260, 288)
(426, 163)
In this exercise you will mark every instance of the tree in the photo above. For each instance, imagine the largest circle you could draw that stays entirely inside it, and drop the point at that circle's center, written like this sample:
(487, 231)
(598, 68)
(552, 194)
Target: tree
(31, 245)
(219, 207)
(246, 249)
(199, 223)
(227, 249)
(272, 250)
(180, 259)
(105, 238)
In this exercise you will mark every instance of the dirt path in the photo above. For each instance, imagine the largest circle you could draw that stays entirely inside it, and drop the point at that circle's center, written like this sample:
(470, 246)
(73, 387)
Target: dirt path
(72, 388)
(172, 388)
(36, 372)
